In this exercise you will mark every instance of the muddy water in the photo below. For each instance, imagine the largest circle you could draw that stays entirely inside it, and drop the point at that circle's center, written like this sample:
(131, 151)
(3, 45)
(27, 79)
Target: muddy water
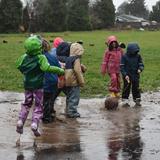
(126, 134)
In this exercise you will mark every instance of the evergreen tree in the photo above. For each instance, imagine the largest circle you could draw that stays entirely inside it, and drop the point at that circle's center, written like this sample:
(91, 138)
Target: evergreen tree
(10, 15)
(103, 14)
(50, 15)
(155, 13)
(122, 8)
(137, 8)
(78, 15)
(39, 7)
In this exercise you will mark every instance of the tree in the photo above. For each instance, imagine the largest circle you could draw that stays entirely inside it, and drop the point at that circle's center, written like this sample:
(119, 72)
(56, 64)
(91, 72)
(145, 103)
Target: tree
(37, 15)
(103, 14)
(25, 17)
(50, 15)
(56, 17)
(78, 15)
(155, 13)
(122, 8)
(137, 8)
(10, 15)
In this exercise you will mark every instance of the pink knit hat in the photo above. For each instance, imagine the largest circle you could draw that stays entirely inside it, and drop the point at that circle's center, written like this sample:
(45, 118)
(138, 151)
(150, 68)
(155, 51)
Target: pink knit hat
(57, 42)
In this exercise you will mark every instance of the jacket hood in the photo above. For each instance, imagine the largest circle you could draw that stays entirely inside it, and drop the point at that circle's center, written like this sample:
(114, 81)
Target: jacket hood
(133, 48)
(63, 49)
(111, 39)
(57, 41)
(76, 49)
(33, 46)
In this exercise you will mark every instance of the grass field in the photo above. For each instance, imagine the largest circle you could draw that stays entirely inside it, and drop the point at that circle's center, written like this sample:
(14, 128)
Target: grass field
(96, 85)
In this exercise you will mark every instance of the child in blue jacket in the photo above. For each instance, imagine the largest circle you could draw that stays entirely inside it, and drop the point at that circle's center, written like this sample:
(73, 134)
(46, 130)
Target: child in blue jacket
(50, 85)
(131, 67)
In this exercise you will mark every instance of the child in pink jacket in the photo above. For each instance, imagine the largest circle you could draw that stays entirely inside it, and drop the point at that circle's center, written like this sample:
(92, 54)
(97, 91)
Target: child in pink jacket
(111, 65)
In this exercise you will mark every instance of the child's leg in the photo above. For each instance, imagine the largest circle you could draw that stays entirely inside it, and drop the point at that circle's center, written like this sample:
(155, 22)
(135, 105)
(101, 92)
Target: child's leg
(126, 89)
(47, 107)
(135, 90)
(118, 85)
(25, 107)
(37, 111)
(54, 97)
(72, 100)
(114, 86)
(48, 104)
(118, 82)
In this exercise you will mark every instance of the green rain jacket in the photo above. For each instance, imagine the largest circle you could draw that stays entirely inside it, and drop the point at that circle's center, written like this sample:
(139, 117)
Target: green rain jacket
(33, 64)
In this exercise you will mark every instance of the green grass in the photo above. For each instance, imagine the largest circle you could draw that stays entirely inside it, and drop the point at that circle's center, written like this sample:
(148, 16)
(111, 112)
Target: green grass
(11, 79)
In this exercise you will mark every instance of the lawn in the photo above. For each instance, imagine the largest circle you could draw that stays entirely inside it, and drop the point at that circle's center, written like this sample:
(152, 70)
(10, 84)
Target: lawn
(96, 85)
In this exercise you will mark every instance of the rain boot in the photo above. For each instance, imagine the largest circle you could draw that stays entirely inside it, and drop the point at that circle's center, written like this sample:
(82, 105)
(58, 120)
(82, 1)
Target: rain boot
(35, 130)
(117, 95)
(73, 115)
(113, 94)
(19, 128)
(137, 102)
(125, 103)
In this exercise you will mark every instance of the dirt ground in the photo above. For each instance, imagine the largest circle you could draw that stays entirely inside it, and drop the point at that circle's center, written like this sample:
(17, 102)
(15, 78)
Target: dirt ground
(125, 134)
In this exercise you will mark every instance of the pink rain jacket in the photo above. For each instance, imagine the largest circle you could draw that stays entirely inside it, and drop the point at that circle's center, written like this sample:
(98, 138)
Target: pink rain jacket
(111, 59)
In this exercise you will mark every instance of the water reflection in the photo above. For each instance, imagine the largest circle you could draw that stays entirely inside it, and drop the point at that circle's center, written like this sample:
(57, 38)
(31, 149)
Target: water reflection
(104, 134)
(20, 156)
(59, 141)
(133, 145)
(124, 139)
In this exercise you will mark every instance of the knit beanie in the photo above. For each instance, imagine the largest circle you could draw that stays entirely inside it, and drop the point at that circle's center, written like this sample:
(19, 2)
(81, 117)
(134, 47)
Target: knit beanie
(57, 41)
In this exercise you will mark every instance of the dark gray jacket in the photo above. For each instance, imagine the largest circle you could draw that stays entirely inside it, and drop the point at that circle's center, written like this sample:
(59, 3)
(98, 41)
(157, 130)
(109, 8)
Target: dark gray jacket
(131, 61)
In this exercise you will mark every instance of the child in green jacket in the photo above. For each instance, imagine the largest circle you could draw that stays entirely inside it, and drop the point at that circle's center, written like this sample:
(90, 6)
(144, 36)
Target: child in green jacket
(32, 65)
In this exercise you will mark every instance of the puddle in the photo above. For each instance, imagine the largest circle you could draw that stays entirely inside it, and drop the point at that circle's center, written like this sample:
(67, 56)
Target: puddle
(125, 134)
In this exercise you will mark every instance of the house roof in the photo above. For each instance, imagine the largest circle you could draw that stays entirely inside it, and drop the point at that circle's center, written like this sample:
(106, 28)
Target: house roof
(129, 18)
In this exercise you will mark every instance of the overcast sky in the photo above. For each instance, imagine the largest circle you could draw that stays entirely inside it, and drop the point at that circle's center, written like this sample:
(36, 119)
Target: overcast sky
(149, 3)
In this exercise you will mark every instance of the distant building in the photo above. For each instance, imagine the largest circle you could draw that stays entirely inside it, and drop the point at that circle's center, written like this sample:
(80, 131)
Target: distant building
(131, 21)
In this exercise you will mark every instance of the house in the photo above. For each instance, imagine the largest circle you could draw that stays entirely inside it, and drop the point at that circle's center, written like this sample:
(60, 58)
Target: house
(125, 20)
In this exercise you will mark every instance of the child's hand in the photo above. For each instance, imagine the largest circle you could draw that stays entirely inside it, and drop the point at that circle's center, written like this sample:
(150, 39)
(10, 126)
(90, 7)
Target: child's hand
(127, 79)
(83, 68)
(103, 73)
(103, 68)
(139, 71)
(62, 65)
